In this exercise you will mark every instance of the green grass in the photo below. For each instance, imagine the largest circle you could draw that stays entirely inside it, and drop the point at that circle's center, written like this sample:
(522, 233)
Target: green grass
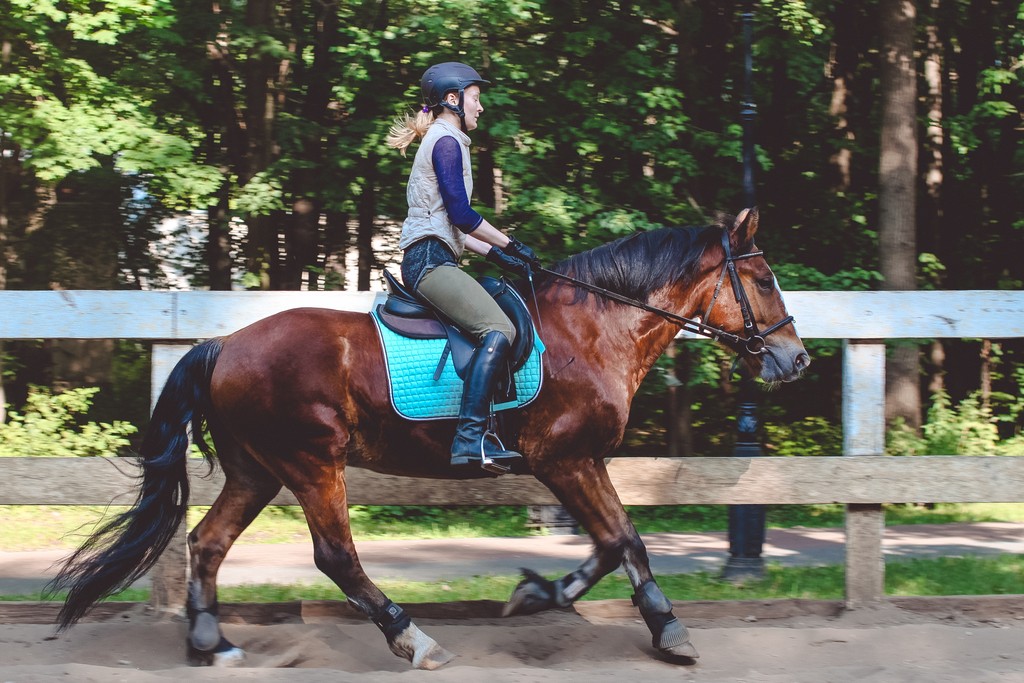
(697, 518)
(36, 527)
(999, 575)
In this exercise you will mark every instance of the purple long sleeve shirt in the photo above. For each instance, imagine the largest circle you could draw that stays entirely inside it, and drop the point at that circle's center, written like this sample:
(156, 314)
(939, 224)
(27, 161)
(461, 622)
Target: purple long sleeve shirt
(447, 160)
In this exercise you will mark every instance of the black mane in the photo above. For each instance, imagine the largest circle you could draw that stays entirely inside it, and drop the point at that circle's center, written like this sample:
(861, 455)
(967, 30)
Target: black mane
(640, 263)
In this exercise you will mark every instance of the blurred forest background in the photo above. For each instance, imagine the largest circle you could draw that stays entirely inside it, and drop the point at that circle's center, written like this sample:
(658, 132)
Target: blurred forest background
(239, 144)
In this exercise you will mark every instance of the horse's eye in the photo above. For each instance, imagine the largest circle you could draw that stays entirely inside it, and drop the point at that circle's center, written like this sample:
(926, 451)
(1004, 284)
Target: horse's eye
(765, 283)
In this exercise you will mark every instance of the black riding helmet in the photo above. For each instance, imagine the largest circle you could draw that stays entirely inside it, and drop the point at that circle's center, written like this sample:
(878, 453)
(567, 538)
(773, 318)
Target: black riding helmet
(441, 79)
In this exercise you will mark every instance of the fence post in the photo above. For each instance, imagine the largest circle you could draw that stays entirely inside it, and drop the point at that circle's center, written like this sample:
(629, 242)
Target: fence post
(864, 434)
(168, 576)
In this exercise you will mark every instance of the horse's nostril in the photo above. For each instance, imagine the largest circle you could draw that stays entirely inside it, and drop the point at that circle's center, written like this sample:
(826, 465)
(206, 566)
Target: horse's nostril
(802, 361)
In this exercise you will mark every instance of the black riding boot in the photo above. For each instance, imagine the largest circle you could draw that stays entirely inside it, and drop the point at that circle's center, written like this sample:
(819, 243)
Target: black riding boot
(474, 444)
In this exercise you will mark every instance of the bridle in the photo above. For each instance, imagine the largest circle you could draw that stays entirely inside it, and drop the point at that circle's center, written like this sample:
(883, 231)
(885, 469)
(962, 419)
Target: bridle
(752, 344)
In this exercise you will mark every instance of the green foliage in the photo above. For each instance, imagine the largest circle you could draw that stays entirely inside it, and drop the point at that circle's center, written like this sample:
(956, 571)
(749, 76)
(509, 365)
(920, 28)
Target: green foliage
(652, 519)
(387, 521)
(73, 93)
(812, 435)
(797, 18)
(53, 424)
(969, 428)
(798, 277)
(602, 117)
(1008, 406)
(260, 196)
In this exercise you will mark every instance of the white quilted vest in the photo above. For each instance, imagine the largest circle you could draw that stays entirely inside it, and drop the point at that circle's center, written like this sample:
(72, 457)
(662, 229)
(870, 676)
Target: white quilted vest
(427, 216)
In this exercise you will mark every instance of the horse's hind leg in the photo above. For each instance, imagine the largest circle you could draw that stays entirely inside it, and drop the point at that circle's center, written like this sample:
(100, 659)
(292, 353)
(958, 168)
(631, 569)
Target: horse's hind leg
(587, 492)
(326, 511)
(247, 490)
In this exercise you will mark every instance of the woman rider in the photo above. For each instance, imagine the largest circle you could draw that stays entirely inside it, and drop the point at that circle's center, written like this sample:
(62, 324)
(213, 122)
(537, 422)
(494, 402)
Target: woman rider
(439, 226)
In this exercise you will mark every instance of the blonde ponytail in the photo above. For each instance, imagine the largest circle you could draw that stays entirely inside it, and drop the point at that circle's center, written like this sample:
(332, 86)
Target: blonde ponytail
(406, 129)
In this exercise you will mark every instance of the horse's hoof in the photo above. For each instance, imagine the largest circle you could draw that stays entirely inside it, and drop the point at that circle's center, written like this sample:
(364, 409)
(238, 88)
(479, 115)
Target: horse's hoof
(434, 658)
(233, 656)
(225, 654)
(674, 640)
(533, 594)
(420, 649)
(684, 651)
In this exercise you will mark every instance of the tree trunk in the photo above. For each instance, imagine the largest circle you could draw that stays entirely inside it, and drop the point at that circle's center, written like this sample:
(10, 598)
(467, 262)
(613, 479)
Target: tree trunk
(846, 56)
(898, 162)
(933, 221)
(225, 145)
(336, 237)
(77, 248)
(306, 184)
(708, 29)
(367, 212)
(258, 72)
(218, 243)
(986, 374)
(937, 371)
(4, 230)
(302, 230)
(680, 412)
(484, 185)
(367, 106)
(897, 193)
(934, 134)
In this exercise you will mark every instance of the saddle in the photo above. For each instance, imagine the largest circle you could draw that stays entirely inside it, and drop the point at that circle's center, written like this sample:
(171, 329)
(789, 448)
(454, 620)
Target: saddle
(426, 356)
(407, 315)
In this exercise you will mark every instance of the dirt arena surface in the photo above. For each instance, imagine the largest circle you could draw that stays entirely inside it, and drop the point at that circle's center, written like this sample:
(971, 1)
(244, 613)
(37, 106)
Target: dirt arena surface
(907, 640)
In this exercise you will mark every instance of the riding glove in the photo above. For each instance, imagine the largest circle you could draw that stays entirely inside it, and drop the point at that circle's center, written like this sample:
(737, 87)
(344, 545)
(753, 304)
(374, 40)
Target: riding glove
(508, 262)
(522, 252)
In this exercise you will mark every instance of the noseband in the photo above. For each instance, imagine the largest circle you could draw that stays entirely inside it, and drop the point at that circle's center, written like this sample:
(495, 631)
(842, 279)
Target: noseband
(752, 344)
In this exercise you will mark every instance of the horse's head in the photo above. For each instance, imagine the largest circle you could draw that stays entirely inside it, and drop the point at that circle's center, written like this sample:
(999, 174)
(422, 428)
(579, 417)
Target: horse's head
(743, 299)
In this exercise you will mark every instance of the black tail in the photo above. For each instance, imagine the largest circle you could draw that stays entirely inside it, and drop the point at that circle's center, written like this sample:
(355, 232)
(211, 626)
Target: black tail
(125, 548)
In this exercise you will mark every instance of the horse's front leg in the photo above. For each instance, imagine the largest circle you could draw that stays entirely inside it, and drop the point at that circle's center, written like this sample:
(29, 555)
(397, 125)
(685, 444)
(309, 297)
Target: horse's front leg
(586, 491)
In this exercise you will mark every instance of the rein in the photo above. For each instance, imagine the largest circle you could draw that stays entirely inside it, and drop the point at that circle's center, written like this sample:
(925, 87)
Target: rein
(753, 343)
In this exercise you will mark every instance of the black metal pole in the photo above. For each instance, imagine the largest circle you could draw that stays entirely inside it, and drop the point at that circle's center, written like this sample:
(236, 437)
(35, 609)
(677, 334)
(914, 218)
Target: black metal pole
(748, 110)
(747, 522)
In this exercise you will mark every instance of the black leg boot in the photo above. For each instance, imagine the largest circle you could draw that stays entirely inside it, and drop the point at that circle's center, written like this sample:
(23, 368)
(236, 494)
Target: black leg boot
(474, 444)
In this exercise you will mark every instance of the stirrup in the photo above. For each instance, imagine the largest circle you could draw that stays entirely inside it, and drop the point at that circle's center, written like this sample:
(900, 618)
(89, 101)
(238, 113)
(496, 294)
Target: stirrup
(488, 463)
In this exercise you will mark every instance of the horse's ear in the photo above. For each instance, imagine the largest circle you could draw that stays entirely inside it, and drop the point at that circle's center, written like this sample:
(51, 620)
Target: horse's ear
(744, 227)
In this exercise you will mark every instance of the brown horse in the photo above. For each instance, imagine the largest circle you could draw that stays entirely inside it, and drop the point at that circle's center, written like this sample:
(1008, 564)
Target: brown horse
(296, 398)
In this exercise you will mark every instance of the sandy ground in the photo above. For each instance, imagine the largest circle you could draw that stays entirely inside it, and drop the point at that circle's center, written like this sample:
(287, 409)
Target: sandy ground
(599, 641)
(911, 640)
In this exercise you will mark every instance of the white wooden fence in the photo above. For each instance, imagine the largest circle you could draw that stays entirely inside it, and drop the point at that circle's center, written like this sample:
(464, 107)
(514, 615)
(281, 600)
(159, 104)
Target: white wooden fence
(173, 320)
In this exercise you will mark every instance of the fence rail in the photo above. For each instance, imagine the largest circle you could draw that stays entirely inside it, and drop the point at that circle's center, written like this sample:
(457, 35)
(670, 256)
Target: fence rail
(863, 320)
(162, 315)
(638, 481)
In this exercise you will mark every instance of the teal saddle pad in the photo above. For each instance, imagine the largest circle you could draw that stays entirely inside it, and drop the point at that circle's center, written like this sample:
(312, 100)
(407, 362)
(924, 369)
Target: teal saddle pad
(412, 363)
